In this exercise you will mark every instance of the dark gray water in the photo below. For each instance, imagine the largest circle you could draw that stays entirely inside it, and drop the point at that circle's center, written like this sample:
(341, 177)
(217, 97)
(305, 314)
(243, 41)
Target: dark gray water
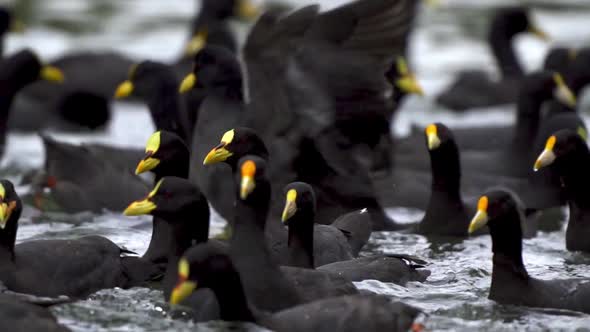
(448, 38)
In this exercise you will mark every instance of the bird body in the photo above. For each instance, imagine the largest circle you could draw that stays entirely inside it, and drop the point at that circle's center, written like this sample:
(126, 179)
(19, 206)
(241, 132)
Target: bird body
(501, 211)
(70, 267)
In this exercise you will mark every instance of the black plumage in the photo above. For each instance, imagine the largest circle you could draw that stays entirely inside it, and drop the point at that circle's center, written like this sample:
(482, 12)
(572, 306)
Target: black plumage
(218, 76)
(559, 59)
(309, 244)
(546, 188)
(395, 268)
(156, 84)
(325, 247)
(8, 23)
(165, 155)
(16, 72)
(474, 88)
(494, 137)
(210, 268)
(566, 153)
(209, 27)
(71, 267)
(242, 141)
(183, 212)
(511, 283)
(92, 76)
(342, 66)
(536, 90)
(251, 254)
(78, 178)
(446, 213)
(16, 315)
(403, 82)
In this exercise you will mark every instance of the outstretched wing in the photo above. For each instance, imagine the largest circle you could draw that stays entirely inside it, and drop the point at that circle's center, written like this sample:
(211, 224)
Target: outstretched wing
(270, 46)
(378, 28)
(306, 69)
(312, 75)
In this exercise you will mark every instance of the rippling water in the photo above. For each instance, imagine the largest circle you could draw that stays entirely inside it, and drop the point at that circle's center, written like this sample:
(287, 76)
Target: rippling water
(447, 39)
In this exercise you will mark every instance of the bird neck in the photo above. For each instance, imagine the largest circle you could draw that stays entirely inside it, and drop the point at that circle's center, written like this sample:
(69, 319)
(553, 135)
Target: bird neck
(527, 121)
(8, 238)
(301, 242)
(167, 111)
(578, 77)
(573, 170)
(178, 167)
(251, 217)
(445, 213)
(248, 233)
(231, 91)
(178, 235)
(252, 258)
(507, 248)
(577, 226)
(188, 231)
(398, 94)
(211, 11)
(446, 170)
(183, 237)
(503, 50)
(177, 238)
(554, 107)
(162, 236)
(233, 304)
(506, 273)
(6, 97)
(228, 88)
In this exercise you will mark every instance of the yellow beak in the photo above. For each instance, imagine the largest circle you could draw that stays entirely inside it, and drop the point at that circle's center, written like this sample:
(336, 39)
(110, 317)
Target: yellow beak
(182, 291)
(146, 165)
(433, 141)
(17, 25)
(52, 74)
(539, 33)
(139, 208)
(247, 185)
(124, 89)
(247, 10)
(217, 155)
(479, 220)
(196, 44)
(565, 96)
(409, 84)
(3, 215)
(5, 212)
(188, 83)
(583, 133)
(289, 210)
(432, 3)
(546, 158)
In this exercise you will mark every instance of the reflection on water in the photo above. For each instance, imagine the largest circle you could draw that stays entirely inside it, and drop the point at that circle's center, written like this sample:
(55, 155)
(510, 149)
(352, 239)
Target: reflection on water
(448, 39)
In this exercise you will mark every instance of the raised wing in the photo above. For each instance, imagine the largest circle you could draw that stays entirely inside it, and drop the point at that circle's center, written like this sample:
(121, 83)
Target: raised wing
(379, 28)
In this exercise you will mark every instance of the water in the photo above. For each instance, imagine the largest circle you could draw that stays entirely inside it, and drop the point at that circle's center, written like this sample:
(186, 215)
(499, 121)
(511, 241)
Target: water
(447, 39)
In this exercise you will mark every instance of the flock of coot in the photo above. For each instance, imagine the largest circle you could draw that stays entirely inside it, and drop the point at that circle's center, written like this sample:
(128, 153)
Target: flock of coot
(288, 138)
